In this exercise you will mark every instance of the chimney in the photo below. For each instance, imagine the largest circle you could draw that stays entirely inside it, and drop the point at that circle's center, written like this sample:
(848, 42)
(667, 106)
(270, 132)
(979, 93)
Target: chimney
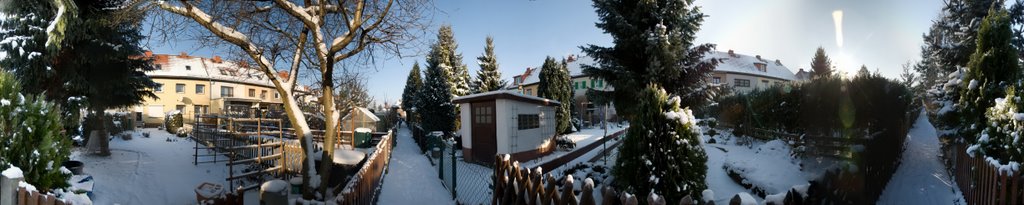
(149, 53)
(216, 59)
(283, 74)
(801, 70)
(183, 55)
(572, 58)
(758, 57)
(778, 62)
(731, 53)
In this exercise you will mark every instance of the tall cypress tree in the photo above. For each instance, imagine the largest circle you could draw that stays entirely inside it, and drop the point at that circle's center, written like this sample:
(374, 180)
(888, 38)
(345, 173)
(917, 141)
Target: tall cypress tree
(435, 101)
(488, 78)
(820, 64)
(554, 84)
(993, 67)
(413, 85)
(653, 44)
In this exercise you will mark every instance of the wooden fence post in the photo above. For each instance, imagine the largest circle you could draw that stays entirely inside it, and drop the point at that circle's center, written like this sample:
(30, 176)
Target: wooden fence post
(9, 190)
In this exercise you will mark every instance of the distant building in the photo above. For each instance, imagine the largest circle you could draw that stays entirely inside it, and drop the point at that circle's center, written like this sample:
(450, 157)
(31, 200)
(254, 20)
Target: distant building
(529, 82)
(197, 85)
(745, 73)
(803, 75)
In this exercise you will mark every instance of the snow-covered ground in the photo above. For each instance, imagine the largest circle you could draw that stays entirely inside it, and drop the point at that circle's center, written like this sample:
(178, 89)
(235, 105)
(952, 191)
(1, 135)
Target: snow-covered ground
(921, 177)
(768, 166)
(410, 178)
(149, 170)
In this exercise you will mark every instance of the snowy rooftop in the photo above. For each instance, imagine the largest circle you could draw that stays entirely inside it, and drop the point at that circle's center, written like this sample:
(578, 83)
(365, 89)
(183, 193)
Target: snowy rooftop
(744, 64)
(366, 113)
(507, 94)
(184, 66)
(575, 68)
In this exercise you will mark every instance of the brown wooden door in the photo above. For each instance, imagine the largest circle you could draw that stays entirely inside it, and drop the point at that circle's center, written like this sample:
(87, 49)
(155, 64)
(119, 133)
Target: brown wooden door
(484, 135)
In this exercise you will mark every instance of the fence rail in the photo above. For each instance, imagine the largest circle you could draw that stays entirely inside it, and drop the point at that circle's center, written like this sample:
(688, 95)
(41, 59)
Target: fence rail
(981, 182)
(365, 185)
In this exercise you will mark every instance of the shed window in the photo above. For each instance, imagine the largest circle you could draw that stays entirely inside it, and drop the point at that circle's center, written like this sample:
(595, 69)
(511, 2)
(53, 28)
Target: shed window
(529, 121)
(483, 115)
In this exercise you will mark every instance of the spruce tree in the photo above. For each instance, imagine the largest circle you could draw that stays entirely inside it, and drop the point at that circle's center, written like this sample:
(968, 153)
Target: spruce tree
(413, 85)
(662, 150)
(863, 72)
(448, 59)
(554, 84)
(821, 66)
(435, 101)
(653, 44)
(488, 78)
(993, 67)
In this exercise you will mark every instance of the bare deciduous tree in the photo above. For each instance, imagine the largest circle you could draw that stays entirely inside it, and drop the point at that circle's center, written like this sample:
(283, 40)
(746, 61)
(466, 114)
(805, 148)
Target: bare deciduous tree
(290, 34)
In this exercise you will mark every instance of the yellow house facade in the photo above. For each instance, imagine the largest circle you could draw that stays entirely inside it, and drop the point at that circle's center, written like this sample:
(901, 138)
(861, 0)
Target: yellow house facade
(197, 85)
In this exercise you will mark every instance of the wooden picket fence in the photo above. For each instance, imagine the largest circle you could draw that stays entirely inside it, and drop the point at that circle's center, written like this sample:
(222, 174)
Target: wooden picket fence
(33, 197)
(980, 181)
(517, 185)
(365, 185)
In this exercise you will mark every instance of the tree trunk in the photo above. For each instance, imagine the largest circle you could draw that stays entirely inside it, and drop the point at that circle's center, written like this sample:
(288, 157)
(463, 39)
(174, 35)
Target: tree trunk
(330, 132)
(104, 136)
(304, 134)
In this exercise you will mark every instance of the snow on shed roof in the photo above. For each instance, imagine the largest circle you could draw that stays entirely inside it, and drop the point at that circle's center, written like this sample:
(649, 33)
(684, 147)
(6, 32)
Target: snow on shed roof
(366, 112)
(744, 64)
(505, 94)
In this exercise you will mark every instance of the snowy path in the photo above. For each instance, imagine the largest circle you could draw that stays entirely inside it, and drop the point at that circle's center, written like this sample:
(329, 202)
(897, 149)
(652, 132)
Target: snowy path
(922, 177)
(410, 178)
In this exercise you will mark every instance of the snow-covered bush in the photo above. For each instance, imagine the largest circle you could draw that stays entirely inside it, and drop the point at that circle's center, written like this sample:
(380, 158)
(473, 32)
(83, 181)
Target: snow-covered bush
(662, 151)
(942, 103)
(1001, 138)
(992, 68)
(173, 121)
(31, 136)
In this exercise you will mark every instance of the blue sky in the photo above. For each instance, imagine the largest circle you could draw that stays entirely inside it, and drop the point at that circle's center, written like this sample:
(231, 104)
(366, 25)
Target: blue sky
(881, 34)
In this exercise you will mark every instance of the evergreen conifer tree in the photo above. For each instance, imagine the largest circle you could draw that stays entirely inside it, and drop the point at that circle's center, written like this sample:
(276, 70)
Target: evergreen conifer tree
(662, 150)
(413, 86)
(993, 67)
(488, 78)
(30, 136)
(435, 101)
(554, 84)
(821, 66)
(653, 44)
(451, 61)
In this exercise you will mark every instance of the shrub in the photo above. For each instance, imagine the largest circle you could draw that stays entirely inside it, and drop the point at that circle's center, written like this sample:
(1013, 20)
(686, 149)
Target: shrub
(31, 136)
(662, 150)
(173, 121)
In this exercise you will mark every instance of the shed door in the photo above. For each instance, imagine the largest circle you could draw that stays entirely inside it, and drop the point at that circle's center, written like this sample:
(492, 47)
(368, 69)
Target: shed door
(484, 142)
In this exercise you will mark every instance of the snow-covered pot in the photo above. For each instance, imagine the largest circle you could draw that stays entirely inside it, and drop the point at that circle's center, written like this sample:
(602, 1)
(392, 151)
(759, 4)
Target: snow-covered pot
(76, 167)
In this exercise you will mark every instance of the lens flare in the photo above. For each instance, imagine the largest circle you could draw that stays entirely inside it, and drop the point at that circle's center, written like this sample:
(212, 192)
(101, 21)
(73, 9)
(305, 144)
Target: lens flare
(837, 18)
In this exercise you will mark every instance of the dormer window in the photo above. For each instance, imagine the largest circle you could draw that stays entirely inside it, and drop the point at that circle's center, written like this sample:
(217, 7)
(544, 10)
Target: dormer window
(761, 67)
(188, 67)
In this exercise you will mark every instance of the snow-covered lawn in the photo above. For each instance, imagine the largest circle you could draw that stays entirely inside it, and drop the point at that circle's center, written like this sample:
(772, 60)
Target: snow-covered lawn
(921, 177)
(767, 167)
(410, 178)
(149, 170)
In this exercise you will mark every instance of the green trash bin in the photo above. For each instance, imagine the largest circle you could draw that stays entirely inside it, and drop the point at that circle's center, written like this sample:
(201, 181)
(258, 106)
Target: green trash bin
(362, 137)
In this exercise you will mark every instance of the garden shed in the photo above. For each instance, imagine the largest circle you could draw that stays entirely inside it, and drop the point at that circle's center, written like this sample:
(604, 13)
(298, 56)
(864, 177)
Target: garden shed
(506, 122)
(359, 117)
